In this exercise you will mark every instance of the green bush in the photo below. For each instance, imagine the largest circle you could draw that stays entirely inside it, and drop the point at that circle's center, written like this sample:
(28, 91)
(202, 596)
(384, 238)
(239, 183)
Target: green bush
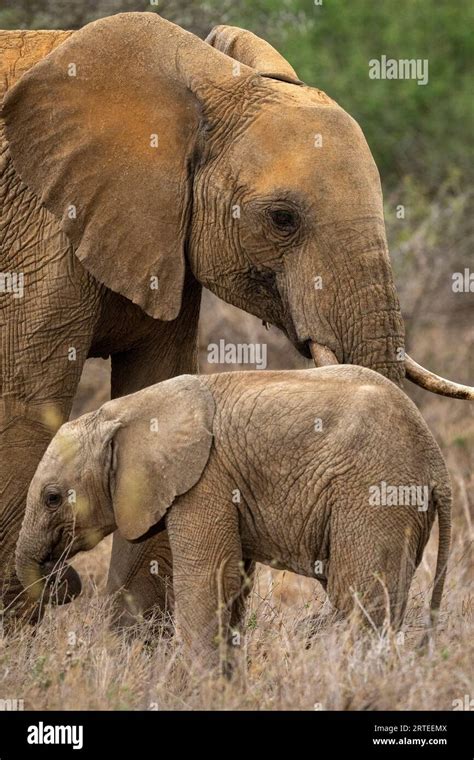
(423, 130)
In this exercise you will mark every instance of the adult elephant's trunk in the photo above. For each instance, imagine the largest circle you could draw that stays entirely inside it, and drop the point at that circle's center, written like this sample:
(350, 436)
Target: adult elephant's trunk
(352, 313)
(323, 357)
(340, 293)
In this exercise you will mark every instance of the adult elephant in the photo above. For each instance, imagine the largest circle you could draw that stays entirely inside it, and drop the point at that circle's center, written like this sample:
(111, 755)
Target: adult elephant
(140, 163)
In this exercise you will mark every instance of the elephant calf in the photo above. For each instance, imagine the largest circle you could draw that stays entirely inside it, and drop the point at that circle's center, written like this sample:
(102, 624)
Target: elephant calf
(330, 473)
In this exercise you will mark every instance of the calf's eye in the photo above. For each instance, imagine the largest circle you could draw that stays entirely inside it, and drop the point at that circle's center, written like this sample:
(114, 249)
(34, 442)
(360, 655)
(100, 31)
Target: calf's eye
(52, 497)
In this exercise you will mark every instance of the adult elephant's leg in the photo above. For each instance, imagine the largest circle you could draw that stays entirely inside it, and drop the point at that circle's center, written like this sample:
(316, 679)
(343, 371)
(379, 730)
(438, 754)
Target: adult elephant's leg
(26, 429)
(42, 361)
(46, 326)
(140, 578)
(140, 573)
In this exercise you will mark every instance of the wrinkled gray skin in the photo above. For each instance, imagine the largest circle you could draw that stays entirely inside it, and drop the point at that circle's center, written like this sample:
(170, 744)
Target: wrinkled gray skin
(93, 217)
(239, 469)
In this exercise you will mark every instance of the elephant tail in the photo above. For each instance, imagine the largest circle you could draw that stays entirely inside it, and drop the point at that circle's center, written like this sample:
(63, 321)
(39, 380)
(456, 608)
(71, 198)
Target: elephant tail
(442, 499)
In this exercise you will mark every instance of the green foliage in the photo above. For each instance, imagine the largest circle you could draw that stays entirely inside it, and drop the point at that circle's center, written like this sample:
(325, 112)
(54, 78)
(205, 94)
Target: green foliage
(198, 16)
(412, 129)
(423, 130)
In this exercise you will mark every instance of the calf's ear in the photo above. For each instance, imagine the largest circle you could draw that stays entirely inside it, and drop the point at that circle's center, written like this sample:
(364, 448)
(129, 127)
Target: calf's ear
(158, 451)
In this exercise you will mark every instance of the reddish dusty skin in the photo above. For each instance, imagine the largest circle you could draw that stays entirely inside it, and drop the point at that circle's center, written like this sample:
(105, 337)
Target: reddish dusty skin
(93, 215)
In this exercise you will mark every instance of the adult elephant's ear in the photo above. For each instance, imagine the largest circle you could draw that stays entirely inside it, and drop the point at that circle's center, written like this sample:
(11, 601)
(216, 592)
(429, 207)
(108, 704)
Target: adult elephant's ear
(102, 131)
(160, 449)
(246, 47)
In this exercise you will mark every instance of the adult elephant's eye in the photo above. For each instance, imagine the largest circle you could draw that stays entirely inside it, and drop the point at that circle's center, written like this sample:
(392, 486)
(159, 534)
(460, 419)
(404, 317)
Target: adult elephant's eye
(285, 220)
(52, 497)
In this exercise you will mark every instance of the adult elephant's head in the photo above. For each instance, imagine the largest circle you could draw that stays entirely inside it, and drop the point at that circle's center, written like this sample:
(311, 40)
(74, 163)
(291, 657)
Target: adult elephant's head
(156, 150)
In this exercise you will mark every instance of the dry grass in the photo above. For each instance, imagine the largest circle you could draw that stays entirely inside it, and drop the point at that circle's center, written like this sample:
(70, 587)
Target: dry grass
(73, 660)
